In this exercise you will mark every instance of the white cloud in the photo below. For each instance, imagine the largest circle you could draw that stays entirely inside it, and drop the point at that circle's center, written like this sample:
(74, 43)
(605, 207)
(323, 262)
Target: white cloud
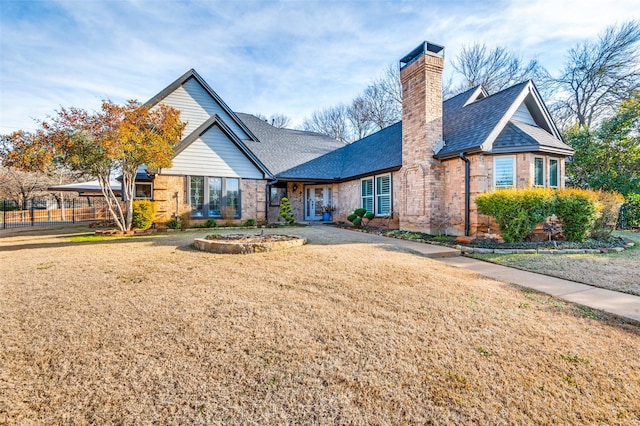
(261, 56)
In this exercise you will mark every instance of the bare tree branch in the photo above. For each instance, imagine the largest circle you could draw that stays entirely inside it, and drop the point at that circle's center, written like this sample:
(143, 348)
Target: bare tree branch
(494, 69)
(599, 75)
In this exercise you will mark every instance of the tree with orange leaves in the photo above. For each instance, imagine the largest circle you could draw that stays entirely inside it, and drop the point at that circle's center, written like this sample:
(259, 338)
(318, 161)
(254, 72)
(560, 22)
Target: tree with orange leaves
(118, 139)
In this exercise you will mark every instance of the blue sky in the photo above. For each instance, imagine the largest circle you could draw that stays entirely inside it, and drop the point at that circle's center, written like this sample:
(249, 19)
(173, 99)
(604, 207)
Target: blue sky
(289, 57)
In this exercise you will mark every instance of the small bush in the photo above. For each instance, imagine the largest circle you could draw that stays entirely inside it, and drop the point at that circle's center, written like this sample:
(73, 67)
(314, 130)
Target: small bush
(173, 224)
(144, 212)
(577, 210)
(249, 222)
(185, 220)
(210, 223)
(358, 215)
(517, 211)
(609, 204)
(286, 212)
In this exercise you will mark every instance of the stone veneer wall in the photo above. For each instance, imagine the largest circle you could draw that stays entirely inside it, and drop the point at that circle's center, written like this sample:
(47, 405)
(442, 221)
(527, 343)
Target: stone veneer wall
(481, 180)
(170, 194)
(422, 181)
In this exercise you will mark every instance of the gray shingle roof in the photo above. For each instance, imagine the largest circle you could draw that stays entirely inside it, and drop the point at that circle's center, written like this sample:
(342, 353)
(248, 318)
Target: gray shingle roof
(295, 154)
(282, 149)
(377, 152)
(518, 136)
(466, 127)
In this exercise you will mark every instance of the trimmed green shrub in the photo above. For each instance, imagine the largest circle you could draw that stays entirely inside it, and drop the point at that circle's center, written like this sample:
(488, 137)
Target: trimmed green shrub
(517, 211)
(249, 222)
(286, 212)
(144, 212)
(358, 215)
(577, 210)
(210, 223)
(632, 210)
(173, 224)
(608, 205)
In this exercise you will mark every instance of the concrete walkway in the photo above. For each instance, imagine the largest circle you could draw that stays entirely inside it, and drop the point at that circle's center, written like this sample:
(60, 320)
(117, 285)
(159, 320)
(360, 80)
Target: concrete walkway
(621, 304)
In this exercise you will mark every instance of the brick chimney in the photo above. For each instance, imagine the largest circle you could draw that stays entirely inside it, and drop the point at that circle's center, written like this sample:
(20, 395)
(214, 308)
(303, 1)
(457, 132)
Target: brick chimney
(422, 176)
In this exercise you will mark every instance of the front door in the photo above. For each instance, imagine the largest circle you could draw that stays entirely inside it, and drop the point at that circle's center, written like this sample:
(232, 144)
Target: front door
(315, 198)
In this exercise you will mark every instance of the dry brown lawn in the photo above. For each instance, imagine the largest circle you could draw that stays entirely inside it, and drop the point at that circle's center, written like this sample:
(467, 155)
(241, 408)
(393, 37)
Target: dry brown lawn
(341, 331)
(613, 271)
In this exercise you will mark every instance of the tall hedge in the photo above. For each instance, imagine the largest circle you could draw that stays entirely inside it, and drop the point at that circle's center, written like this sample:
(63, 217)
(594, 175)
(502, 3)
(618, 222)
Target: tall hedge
(577, 210)
(517, 211)
(144, 212)
(581, 212)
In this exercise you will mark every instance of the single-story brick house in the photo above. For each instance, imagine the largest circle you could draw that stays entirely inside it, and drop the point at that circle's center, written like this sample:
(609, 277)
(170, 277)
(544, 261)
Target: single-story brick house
(423, 172)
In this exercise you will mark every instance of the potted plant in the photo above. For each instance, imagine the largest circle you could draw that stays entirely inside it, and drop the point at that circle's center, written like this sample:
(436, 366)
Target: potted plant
(327, 210)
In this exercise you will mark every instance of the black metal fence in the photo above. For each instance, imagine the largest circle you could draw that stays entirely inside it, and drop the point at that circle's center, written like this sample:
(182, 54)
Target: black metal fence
(50, 211)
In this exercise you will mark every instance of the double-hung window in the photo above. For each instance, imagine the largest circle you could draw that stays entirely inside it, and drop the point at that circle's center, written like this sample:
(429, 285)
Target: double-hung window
(214, 196)
(554, 172)
(375, 194)
(504, 172)
(538, 172)
(383, 195)
(367, 194)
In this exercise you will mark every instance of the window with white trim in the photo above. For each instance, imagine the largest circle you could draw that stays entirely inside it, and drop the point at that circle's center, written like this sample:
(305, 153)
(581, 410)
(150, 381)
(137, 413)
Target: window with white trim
(375, 194)
(538, 172)
(554, 172)
(383, 195)
(504, 172)
(214, 196)
(366, 194)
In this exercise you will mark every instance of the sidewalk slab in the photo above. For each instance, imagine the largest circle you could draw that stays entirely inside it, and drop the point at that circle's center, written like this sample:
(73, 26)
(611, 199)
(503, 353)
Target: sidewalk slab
(621, 304)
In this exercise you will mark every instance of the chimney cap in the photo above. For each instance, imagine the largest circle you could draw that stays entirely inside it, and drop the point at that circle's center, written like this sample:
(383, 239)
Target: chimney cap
(419, 51)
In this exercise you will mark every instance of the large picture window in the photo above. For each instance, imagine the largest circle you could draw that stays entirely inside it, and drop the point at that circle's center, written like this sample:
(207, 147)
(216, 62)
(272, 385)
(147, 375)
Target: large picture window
(504, 172)
(214, 196)
(375, 194)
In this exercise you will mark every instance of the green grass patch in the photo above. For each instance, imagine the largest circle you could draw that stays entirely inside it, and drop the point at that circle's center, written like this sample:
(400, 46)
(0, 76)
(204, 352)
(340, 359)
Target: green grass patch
(90, 238)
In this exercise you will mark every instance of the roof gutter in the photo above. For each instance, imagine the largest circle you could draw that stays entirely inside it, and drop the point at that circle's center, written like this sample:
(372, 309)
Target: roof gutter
(467, 194)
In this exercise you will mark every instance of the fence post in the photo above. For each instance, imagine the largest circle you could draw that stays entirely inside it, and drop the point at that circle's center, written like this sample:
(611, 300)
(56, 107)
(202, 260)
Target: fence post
(4, 214)
(33, 222)
(73, 210)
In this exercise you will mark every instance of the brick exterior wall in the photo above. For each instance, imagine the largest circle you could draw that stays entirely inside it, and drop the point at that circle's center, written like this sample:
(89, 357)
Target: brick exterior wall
(421, 177)
(481, 181)
(170, 195)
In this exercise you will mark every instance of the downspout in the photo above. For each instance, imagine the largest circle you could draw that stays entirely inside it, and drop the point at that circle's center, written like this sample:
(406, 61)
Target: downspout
(467, 193)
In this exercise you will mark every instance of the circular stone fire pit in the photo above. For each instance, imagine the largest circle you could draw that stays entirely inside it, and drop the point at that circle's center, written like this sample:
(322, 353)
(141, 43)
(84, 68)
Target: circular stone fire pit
(246, 243)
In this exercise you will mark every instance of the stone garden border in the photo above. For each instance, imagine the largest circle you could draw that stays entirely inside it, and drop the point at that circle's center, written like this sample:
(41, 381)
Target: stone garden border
(467, 249)
(242, 246)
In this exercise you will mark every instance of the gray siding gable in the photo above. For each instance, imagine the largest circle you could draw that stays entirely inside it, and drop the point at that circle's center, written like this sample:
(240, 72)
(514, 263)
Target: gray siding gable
(197, 101)
(216, 122)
